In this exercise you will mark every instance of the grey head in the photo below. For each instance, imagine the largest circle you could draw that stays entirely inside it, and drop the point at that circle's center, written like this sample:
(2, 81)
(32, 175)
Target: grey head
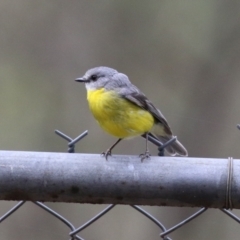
(99, 77)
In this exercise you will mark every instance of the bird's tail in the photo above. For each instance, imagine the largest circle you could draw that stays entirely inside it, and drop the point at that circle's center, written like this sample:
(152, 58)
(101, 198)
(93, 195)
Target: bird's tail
(175, 148)
(164, 134)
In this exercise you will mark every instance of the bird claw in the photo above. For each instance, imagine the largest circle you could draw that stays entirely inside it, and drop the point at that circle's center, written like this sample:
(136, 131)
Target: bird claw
(144, 155)
(106, 154)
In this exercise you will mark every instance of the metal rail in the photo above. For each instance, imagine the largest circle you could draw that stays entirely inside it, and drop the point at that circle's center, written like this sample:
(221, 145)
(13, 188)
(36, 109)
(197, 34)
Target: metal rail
(88, 178)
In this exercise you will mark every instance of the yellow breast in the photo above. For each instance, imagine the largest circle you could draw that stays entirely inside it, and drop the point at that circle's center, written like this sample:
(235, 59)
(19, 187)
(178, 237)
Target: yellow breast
(118, 116)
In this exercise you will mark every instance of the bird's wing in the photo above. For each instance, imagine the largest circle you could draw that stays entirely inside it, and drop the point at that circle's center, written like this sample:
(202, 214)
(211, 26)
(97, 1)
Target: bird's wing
(141, 100)
(131, 93)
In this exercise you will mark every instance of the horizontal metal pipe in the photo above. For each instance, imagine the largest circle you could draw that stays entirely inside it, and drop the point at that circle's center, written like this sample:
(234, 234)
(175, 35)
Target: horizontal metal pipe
(89, 178)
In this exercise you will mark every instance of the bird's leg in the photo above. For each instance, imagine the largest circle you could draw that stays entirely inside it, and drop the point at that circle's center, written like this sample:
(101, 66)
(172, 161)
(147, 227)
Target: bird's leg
(109, 150)
(147, 153)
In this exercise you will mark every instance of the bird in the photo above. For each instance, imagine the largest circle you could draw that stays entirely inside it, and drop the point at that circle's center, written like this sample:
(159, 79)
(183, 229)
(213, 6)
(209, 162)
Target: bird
(123, 111)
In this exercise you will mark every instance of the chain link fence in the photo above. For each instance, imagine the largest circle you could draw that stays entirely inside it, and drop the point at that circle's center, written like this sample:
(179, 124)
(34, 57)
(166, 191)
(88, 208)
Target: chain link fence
(164, 232)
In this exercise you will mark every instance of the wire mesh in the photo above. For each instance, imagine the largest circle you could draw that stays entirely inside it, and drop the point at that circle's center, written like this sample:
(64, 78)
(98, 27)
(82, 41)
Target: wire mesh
(75, 231)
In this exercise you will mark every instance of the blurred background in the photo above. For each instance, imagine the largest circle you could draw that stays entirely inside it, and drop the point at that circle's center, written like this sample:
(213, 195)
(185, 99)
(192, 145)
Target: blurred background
(184, 55)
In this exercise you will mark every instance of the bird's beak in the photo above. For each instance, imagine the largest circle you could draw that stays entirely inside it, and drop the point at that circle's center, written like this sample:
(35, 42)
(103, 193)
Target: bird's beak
(82, 79)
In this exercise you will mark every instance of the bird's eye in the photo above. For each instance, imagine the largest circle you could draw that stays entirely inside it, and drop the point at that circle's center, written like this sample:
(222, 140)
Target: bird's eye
(94, 77)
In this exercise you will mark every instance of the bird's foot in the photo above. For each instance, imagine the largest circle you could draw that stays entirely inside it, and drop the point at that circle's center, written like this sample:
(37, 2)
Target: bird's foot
(106, 154)
(145, 155)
